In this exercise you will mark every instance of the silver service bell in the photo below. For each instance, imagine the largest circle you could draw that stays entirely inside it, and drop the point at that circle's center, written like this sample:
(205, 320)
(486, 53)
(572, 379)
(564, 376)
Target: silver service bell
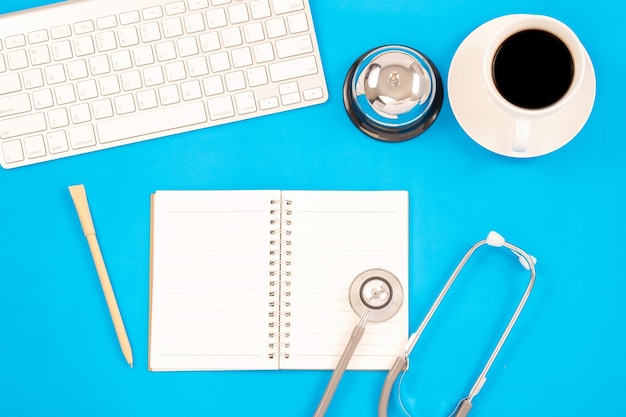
(393, 93)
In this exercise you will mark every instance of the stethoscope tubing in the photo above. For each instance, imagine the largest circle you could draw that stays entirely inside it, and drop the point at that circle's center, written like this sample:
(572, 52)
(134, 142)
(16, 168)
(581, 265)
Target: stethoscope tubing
(401, 362)
(355, 338)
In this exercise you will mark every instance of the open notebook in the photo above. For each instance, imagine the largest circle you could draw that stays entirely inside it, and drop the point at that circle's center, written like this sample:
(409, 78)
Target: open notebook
(259, 279)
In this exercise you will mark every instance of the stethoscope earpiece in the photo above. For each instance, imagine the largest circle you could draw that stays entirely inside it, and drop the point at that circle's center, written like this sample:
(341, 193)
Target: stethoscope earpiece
(400, 365)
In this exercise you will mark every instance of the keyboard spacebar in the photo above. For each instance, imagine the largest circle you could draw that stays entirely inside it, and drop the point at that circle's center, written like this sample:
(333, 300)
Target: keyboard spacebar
(152, 122)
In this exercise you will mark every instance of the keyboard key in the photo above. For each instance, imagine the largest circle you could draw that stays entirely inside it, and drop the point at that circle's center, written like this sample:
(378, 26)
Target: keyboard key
(99, 65)
(257, 76)
(15, 41)
(177, 7)
(128, 37)
(22, 125)
(209, 42)
(152, 12)
(231, 37)
(260, 9)
(62, 50)
(77, 69)
(150, 32)
(109, 85)
(216, 18)
(102, 108)
(83, 27)
(39, 55)
(219, 62)
(124, 104)
(197, 66)
(298, 45)
(57, 142)
(165, 51)
(83, 46)
(235, 81)
(194, 23)
(10, 83)
(238, 13)
(143, 55)
(59, 32)
(298, 23)
(14, 105)
(213, 85)
(33, 78)
(64, 94)
(172, 28)
(289, 99)
(245, 102)
(253, 32)
(220, 108)
(146, 100)
(12, 151)
(42, 99)
(153, 76)
(169, 95)
(55, 74)
(106, 22)
(263, 53)
(287, 6)
(131, 80)
(105, 41)
(58, 118)
(241, 57)
(198, 4)
(17, 59)
(80, 113)
(121, 60)
(156, 121)
(268, 103)
(82, 137)
(175, 71)
(294, 68)
(128, 18)
(87, 89)
(38, 36)
(34, 146)
(276, 28)
(187, 46)
(191, 90)
(313, 94)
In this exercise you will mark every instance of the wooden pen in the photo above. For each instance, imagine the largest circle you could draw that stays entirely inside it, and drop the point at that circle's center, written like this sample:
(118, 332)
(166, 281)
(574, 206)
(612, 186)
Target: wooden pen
(79, 196)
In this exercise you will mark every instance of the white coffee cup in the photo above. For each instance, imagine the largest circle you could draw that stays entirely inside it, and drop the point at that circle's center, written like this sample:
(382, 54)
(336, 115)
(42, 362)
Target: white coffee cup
(531, 80)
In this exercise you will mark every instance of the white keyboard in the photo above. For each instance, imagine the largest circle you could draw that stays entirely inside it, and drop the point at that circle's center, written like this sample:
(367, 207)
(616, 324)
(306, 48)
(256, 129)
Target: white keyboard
(85, 75)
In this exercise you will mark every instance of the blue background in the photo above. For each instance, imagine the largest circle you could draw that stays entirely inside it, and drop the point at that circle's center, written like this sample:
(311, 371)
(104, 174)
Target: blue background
(58, 352)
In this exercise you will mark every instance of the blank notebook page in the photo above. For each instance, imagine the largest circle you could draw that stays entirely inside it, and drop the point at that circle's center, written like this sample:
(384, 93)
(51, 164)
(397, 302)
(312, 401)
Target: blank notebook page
(334, 237)
(209, 293)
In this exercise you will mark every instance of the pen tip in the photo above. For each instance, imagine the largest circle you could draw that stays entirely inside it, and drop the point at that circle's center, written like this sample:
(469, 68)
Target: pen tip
(131, 364)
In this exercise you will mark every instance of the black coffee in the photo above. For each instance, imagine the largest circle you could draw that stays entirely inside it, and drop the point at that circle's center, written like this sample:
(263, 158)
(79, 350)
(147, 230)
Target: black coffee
(533, 69)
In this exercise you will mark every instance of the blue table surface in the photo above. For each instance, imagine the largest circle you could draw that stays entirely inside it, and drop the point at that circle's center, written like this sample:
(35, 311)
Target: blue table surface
(58, 351)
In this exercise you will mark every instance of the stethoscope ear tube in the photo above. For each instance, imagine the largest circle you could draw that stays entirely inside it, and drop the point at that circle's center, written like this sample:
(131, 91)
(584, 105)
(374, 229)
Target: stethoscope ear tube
(399, 366)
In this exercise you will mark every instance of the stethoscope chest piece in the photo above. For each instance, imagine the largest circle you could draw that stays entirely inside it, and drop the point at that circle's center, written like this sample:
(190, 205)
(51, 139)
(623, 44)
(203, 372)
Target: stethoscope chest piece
(377, 290)
(393, 93)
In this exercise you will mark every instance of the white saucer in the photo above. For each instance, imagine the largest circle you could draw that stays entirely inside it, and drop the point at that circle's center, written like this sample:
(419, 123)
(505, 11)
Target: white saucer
(490, 125)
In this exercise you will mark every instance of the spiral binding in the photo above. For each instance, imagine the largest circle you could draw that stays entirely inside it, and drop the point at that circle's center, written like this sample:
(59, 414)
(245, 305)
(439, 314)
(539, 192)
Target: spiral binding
(279, 283)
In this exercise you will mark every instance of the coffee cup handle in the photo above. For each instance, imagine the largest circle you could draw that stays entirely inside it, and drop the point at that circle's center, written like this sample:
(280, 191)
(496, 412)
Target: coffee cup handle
(521, 134)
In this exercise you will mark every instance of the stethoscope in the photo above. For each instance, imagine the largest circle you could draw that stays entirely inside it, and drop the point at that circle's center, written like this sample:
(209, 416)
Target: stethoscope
(376, 295)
